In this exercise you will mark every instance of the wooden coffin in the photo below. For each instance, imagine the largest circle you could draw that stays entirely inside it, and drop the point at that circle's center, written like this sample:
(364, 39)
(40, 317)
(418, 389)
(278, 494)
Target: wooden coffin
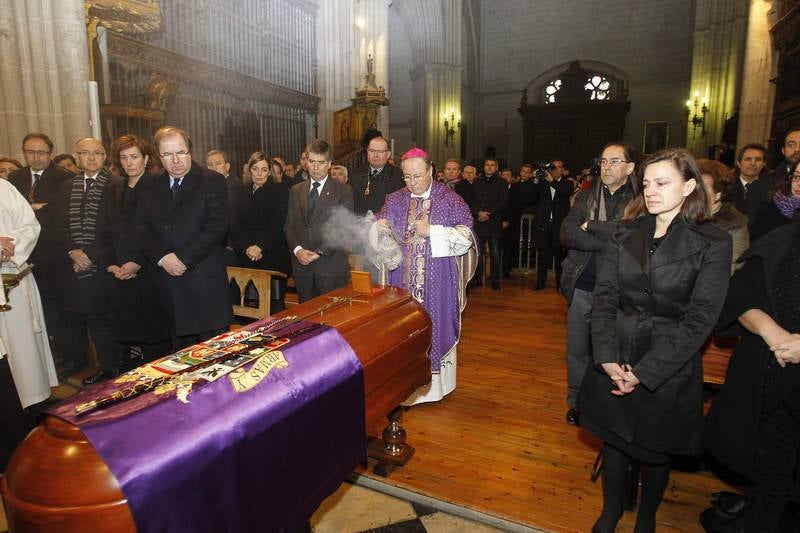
(57, 483)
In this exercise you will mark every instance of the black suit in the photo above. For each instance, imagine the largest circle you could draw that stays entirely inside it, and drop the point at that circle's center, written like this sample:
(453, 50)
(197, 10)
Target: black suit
(552, 205)
(331, 270)
(138, 312)
(86, 300)
(464, 189)
(193, 226)
(48, 263)
(756, 196)
(490, 194)
(388, 180)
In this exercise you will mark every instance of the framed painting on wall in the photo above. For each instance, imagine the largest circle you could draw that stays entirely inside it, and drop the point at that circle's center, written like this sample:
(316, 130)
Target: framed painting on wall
(656, 136)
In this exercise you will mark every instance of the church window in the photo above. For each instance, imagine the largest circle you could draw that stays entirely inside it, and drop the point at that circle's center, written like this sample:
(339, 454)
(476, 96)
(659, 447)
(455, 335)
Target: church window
(551, 90)
(598, 87)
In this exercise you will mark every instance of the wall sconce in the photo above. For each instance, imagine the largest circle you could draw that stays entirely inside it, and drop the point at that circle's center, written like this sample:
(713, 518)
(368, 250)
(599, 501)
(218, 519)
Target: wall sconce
(450, 125)
(698, 110)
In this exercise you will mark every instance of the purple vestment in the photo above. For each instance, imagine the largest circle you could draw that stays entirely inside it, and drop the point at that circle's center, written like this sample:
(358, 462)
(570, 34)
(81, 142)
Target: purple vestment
(436, 283)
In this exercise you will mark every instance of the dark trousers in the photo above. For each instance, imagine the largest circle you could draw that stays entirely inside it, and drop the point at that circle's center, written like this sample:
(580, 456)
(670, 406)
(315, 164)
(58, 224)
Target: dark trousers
(309, 287)
(510, 247)
(13, 423)
(544, 260)
(183, 341)
(772, 485)
(579, 342)
(76, 342)
(495, 255)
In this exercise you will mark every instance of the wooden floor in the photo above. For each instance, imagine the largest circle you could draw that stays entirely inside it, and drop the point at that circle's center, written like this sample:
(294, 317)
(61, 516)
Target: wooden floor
(499, 443)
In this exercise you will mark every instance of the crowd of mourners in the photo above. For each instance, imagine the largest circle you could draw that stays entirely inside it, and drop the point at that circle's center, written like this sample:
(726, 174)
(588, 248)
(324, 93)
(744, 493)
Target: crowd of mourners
(653, 254)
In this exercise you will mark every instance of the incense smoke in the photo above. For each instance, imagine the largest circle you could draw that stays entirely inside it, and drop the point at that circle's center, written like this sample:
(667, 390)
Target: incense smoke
(351, 233)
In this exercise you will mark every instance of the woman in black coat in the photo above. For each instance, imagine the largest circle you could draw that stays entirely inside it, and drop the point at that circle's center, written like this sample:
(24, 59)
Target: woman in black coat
(782, 208)
(753, 426)
(138, 313)
(661, 282)
(257, 233)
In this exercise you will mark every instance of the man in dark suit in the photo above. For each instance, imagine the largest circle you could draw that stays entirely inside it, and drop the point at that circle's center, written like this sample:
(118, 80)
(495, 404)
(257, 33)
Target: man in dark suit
(85, 282)
(373, 182)
(791, 155)
(748, 191)
(551, 197)
(182, 228)
(40, 182)
(316, 268)
(490, 201)
(218, 161)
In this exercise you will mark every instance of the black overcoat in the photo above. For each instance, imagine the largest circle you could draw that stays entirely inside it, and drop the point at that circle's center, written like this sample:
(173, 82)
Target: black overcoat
(90, 294)
(48, 261)
(194, 226)
(138, 312)
(489, 193)
(731, 427)
(259, 220)
(654, 312)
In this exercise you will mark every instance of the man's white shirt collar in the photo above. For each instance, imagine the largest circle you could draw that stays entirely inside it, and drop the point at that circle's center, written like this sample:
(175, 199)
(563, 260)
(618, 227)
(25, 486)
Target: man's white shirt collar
(425, 195)
(321, 184)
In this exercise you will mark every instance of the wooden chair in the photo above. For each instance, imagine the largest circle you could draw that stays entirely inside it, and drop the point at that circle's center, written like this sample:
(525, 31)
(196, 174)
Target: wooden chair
(262, 281)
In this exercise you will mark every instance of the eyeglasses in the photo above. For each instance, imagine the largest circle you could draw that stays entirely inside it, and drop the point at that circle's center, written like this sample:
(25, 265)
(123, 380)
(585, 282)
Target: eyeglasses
(796, 176)
(173, 155)
(92, 153)
(616, 161)
(418, 177)
(37, 153)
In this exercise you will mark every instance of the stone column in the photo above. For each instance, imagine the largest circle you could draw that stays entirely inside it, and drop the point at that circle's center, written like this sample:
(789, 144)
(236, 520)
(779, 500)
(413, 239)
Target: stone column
(44, 73)
(435, 30)
(758, 94)
(717, 57)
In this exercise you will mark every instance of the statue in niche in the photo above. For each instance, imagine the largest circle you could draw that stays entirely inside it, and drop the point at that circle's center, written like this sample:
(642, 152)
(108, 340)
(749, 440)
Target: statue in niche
(158, 91)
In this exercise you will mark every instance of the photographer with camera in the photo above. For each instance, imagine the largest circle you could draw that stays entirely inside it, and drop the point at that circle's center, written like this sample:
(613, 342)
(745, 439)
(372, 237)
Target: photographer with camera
(606, 199)
(551, 198)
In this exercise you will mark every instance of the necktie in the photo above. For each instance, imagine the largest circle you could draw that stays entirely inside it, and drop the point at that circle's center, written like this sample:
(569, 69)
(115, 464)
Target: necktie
(312, 199)
(88, 183)
(32, 191)
(746, 189)
(176, 186)
(373, 172)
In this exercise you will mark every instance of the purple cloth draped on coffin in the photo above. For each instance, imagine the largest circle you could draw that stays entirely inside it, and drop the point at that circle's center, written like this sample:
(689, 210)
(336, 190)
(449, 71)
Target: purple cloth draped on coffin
(261, 460)
(441, 274)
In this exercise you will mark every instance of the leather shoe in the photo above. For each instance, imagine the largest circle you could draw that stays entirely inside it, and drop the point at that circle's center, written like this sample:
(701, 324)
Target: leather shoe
(573, 416)
(495, 286)
(99, 376)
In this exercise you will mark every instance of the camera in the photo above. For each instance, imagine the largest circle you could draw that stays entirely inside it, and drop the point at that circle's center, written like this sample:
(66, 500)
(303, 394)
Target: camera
(594, 167)
(541, 168)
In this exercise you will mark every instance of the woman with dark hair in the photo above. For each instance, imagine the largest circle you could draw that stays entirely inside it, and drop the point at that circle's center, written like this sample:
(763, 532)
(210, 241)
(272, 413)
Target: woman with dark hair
(783, 206)
(661, 282)
(257, 232)
(753, 426)
(717, 179)
(138, 315)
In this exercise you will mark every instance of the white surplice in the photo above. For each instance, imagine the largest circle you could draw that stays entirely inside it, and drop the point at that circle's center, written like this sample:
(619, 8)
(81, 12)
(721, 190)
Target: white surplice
(444, 242)
(23, 333)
